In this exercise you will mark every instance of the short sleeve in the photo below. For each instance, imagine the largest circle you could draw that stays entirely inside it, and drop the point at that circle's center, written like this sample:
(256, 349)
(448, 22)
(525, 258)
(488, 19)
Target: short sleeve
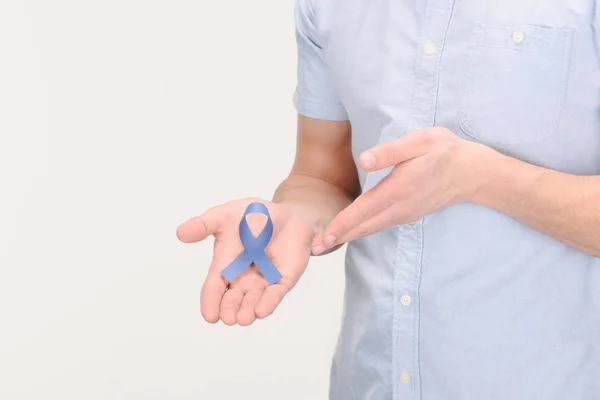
(315, 95)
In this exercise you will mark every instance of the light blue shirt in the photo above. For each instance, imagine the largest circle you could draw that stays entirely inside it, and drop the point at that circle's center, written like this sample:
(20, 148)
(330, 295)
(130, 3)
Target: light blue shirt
(466, 303)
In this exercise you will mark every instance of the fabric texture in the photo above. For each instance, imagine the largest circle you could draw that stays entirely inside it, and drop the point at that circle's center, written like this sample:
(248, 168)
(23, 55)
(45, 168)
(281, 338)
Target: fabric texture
(466, 303)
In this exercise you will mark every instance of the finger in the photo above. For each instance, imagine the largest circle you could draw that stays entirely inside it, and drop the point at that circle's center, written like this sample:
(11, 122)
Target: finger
(246, 315)
(317, 246)
(210, 297)
(230, 305)
(270, 299)
(198, 228)
(409, 146)
(365, 207)
(377, 223)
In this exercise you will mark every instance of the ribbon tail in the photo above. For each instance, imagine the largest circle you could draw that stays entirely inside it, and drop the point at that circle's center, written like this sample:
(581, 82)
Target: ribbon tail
(267, 268)
(237, 266)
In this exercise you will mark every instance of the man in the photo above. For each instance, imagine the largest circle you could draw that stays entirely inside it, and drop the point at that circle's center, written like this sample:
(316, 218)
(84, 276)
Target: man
(472, 258)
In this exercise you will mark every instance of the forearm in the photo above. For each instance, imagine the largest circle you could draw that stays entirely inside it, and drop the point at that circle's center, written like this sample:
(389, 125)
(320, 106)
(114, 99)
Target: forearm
(323, 180)
(563, 206)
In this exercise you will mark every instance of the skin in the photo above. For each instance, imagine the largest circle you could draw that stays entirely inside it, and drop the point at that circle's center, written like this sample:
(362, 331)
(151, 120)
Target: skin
(323, 181)
(433, 169)
(320, 206)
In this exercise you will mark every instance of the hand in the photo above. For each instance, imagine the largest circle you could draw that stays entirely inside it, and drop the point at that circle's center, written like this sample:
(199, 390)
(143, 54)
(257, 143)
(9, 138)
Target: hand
(248, 296)
(432, 169)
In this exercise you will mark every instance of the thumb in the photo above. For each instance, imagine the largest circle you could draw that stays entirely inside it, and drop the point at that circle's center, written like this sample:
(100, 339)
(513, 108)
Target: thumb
(198, 228)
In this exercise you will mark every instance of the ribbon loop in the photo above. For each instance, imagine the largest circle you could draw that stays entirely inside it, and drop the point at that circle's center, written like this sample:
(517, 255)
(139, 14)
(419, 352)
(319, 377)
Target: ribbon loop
(254, 248)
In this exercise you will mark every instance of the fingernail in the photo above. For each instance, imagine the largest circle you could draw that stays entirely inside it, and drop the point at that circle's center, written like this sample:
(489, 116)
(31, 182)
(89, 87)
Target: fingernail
(318, 250)
(367, 160)
(329, 240)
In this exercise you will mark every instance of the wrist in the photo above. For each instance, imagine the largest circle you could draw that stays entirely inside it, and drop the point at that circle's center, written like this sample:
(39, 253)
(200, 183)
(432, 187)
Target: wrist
(476, 161)
(315, 201)
(307, 212)
(502, 180)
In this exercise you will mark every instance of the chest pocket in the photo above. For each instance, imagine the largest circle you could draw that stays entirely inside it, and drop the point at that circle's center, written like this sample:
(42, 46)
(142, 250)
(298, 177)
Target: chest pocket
(515, 83)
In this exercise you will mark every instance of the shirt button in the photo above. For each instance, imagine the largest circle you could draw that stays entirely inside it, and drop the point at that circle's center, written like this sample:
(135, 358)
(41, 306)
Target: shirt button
(405, 378)
(430, 49)
(518, 36)
(405, 300)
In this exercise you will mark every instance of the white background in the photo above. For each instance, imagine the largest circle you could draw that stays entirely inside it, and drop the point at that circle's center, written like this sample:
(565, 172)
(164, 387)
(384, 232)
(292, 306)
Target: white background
(119, 120)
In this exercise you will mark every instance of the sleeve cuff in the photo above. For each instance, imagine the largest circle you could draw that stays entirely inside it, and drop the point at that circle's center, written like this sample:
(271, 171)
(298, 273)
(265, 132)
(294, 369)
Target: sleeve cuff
(324, 111)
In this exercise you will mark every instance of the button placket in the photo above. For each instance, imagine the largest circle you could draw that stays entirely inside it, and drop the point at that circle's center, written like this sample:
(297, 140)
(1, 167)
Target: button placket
(410, 236)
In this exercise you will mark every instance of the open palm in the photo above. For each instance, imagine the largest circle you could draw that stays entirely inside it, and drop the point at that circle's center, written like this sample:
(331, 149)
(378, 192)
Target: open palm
(248, 296)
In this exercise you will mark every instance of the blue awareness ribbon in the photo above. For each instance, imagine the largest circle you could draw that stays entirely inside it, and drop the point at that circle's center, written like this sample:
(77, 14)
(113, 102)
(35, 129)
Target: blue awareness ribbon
(254, 248)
